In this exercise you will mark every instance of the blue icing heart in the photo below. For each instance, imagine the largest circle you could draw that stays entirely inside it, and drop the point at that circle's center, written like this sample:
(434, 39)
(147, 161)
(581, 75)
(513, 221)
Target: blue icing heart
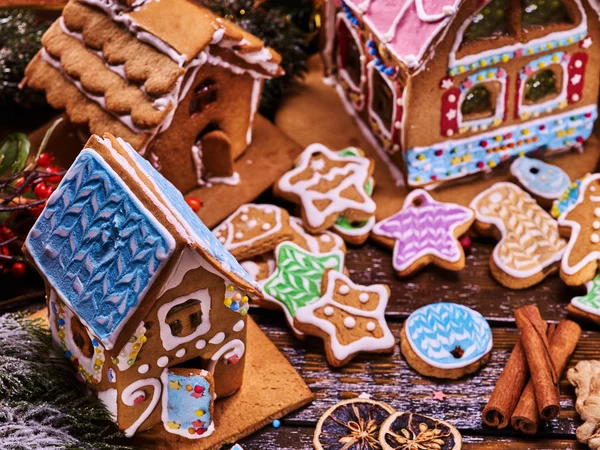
(435, 333)
(540, 178)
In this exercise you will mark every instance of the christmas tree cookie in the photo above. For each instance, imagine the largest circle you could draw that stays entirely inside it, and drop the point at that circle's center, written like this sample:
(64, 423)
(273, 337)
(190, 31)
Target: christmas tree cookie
(587, 306)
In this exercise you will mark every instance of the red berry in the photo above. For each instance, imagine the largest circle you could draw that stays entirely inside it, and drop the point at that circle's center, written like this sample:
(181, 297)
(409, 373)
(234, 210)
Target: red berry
(20, 182)
(18, 269)
(465, 241)
(194, 203)
(41, 191)
(53, 169)
(4, 250)
(45, 159)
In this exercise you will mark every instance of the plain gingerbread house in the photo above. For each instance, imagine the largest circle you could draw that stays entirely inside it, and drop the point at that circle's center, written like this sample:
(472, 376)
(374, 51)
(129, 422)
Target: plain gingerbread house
(178, 83)
(139, 289)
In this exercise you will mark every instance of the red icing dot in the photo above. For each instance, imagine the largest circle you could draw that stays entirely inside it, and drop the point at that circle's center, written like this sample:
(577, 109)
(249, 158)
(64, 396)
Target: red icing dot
(483, 144)
(507, 135)
(580, 139)
(480, 164)
(198, 389)
(542, 127)
(434, 177)
(439, 152)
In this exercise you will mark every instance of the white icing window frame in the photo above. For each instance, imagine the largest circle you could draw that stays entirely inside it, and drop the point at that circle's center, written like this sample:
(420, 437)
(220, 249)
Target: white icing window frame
(342, 73)
(552, 103)
(499, 108)
(168, 340)
(372, 114)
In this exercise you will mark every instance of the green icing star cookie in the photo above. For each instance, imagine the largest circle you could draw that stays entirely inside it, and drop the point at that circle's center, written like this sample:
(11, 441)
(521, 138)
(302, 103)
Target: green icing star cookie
(297, 279)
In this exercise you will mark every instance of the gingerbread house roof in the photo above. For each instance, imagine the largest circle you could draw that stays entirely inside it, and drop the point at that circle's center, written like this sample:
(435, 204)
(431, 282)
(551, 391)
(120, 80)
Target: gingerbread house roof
(101, 243)
(408, 27)
(122, 66)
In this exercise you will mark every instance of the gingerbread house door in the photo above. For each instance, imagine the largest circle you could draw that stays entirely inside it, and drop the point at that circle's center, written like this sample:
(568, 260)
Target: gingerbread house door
(212, 155)
(187, 403)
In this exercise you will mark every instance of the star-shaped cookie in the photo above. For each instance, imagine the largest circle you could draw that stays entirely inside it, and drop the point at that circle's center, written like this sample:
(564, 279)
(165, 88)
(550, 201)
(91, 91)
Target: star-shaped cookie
(326, 185)
(297, 279)
(581, 221)
(425, 231)
(350, 318)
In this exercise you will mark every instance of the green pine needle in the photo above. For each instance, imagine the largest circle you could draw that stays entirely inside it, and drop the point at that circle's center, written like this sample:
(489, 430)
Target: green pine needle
(42, 405)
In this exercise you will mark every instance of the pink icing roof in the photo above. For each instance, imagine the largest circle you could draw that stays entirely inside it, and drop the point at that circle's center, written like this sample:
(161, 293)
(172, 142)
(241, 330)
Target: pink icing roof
(408, 26)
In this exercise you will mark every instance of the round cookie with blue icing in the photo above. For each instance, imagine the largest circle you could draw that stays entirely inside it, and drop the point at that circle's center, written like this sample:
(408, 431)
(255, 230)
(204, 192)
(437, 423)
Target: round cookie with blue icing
(543, 181)
(446, 340)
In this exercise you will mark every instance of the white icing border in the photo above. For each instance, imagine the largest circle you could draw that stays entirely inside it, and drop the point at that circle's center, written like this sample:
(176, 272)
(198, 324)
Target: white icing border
(131, 392)
(341, 70)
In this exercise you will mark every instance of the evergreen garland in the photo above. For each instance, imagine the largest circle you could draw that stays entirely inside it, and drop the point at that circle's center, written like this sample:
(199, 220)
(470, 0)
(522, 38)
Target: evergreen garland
(42, 405)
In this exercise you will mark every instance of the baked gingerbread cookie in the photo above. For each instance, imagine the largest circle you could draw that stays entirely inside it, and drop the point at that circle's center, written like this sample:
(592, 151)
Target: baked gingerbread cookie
(328, 185)
(424, 232)
(446, 340)
(260, 267)
(581, 222)
(529, 246)
(350, 318)
(317, 243)
(412, 431)
(587, 307)
(351, 424)
(254, 229)
(545, 182)
(296, 281)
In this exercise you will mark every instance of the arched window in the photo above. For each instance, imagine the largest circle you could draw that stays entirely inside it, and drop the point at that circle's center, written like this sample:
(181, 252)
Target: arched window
(183, 319)
(349, 53)
(382, 102)
(81, 337)
(543, 12)
(541, 86)
(490, 21)
(478, 103)
(203, 95)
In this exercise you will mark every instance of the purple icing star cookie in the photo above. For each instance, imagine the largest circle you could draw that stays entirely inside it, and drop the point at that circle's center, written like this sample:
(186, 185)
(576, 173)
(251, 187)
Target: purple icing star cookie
(424, 232)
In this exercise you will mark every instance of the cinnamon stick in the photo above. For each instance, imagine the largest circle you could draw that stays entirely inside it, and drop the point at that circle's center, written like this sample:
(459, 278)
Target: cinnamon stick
(505, 397)
(541, 368)
(562, 345)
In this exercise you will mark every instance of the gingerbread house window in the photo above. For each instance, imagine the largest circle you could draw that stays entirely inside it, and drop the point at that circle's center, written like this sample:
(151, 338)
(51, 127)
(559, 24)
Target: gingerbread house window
(543, 85)
(478, 103)
(183, 319)
(489, 22)
(81, 338)
(349, 54)
(203, 96)
(535, 13)
(382, 100)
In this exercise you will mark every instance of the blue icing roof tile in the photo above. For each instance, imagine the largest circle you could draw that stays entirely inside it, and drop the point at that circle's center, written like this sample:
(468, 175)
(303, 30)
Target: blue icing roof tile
(435, 330)
(98, 246)
(201, 233)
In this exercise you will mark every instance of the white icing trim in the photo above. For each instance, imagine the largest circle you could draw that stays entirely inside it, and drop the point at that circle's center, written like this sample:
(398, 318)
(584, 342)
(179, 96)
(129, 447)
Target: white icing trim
(387, 133)
(131, 392)
(576, 229)
(341, 70)
(109, 398)
(232, 347)
(255, 99)
(168, 340)
(499, 108)
(239, 326)
(312, 241)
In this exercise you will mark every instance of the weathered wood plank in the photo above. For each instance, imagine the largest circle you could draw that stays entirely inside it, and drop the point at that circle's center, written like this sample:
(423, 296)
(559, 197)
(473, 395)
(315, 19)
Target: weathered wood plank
(390, 379)
(300, 438)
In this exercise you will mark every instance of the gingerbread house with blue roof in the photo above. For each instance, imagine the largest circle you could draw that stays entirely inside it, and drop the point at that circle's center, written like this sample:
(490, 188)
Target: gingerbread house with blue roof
(143, 299)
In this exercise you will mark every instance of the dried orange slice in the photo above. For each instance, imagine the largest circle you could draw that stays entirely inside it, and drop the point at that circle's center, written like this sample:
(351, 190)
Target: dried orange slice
(410, 431)
(351, 425)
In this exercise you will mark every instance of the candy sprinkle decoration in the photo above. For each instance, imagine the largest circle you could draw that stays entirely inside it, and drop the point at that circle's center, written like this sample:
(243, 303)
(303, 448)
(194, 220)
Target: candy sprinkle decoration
(351, 424)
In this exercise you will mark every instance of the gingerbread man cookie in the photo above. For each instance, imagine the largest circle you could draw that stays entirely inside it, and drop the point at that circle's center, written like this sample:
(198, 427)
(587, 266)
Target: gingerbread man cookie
(425, 231)
(543, 181)
(327, 185)
(530, 245)
(254, 229)
(581, 221)
(297, 279)
(350, 318)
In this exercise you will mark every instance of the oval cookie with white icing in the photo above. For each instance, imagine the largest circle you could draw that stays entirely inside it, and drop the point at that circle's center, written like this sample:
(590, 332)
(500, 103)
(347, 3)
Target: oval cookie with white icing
(446, 340)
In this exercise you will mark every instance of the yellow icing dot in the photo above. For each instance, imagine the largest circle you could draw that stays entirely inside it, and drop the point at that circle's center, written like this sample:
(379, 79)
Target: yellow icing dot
(173, 425)
(541, 65)
(521, 153)
(570, 131)
(461, 69)
(492, 164)
(550, 45)
(479, 77)
(560, 133)
(490, 75)
(61, 334)
(417, 179)
(199, 413)
(133, 354)
(505, 58)
(143, 339)
(455, 160)
(530, 51)
(525, 132)
(230, 288)
(136, 347)
(467, 157)
(555, 58)
(498, 138)
(570, 40)
(227, 302)
(189, 387)
(421, 157)
(245, 299)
